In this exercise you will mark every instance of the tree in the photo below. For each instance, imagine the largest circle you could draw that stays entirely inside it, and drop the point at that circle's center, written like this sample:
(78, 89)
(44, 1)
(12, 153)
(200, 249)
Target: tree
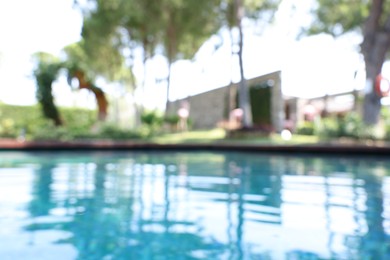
(101, 48)
(244, 99)
(233, 12)
(46, 72)
(186, 26)
(176, 28)
(372, 20)
(80, 66)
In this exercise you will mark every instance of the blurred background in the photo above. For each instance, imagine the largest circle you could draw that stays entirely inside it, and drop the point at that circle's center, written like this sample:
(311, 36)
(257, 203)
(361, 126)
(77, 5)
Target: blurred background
(145, 57)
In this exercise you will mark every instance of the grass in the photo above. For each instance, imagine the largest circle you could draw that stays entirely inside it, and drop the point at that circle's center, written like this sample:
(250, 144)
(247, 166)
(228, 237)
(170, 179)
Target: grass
(200, 136)
(220, 136)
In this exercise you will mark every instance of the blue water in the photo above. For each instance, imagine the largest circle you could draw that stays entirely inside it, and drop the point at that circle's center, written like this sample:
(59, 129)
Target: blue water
(193, 205)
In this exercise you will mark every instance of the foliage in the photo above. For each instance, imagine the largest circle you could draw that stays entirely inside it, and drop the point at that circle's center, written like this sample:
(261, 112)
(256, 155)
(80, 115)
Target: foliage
(306, 128)
(28, 121)
(350, 125)
(98, 63)
(79, 65)
(17, 119)
(152, 119)
(153, 123)
(48, 132)
(7, 128)
(254, 9)
(111, 131)
(353, 126)
(186, 25)
(339, 16)
(328, 127)
(46, 72)
(78, 121)
(372, 20)
(385, 113)
(336, 17)
(172, 119)
(232, 14)
(174, 28)
(180, 27)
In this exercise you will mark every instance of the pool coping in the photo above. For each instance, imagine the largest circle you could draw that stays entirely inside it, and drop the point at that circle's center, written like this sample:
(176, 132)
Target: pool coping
(323, 148)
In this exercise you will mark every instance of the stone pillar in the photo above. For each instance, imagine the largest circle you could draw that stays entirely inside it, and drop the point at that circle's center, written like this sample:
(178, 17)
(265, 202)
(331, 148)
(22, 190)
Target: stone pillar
(277, 104)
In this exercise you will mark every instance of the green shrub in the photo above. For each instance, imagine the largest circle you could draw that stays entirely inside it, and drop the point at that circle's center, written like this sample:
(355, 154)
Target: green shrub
(152, 118)
(152, 122)
(387, 132)
(385, 114)
(78, 121)
(29, 120)
(48, 131)
(328, 127)
(352, 126)
(17, 119)
(306, 128)
(172, 119)
(8, 128)
(111, 131)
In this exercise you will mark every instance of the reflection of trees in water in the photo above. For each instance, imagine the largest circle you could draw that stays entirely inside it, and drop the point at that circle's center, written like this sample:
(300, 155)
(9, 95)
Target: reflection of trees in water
(254, 190)
(41, 202)
(368, 240)
(375, 244)
(110, 221)
(126, 210)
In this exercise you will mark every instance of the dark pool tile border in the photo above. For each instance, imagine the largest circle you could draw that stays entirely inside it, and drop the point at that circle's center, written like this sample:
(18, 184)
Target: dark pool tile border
(12, 145)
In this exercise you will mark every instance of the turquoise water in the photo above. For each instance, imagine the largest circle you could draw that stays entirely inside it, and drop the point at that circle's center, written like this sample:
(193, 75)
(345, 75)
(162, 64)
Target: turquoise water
(193, 205)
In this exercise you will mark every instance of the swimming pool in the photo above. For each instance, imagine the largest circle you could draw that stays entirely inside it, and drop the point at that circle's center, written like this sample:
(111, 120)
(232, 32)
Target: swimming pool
(192, 205)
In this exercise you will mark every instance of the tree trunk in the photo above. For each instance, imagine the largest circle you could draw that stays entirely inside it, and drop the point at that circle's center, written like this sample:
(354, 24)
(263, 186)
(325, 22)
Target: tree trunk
(168, 86)
(232, 93)
(51, 111)
(137, 109)
(243, 88)
(374, 48)
(101, 100)
(46, 99)
(372, 102)
(171, 52)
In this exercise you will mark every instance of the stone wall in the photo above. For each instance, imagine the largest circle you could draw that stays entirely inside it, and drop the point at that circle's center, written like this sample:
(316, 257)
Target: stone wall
(206, 109)
(210, 108)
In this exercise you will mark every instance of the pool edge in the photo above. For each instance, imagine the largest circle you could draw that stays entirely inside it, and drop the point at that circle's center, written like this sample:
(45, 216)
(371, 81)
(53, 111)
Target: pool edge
(323, 148)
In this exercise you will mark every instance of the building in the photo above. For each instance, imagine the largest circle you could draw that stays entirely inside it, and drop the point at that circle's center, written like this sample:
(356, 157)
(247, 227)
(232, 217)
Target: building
(271, 110)
(214, 108)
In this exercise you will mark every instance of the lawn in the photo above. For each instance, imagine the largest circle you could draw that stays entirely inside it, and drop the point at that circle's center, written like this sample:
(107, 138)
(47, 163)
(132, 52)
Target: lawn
(220, 136)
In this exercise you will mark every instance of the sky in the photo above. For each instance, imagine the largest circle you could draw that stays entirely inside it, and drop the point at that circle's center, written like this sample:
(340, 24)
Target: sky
(311, 66)
(27, 27)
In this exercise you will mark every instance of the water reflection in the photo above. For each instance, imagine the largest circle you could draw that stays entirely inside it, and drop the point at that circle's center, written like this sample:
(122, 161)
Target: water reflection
(201, 206)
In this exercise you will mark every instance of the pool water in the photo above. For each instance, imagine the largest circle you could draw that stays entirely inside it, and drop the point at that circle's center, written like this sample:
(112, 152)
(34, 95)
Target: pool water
(193, 205)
